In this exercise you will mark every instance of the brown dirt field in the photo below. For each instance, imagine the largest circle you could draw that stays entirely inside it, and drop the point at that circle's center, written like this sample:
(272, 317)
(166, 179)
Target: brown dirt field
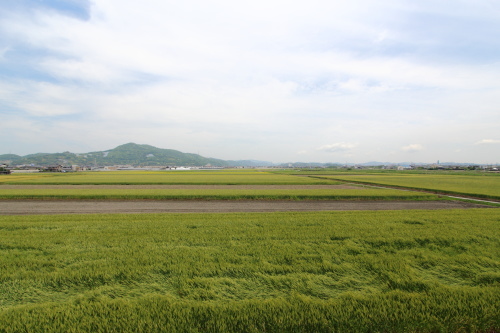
(184, 187)
(30, 207)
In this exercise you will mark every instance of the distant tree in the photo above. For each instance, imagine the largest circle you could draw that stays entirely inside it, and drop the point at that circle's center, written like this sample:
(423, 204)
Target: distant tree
(4, 171)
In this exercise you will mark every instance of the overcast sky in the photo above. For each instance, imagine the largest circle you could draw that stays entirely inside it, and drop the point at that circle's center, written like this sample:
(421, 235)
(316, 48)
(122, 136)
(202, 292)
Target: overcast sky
(275, 80)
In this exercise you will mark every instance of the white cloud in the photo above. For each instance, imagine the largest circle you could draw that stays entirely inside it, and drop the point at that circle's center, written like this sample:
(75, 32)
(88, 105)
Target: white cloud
(258, 76)
(43, 99)
(124, 40)
(487, 142)
(337, 147)
(412, 148)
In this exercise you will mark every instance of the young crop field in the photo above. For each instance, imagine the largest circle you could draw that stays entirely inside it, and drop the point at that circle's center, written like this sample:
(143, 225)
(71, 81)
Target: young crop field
(358, 271)
(477, 186)
(390, 271)
(222, 177)
(215, 194)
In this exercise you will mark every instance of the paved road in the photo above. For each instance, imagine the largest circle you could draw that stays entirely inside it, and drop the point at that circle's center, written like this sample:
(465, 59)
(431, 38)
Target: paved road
(28, 207)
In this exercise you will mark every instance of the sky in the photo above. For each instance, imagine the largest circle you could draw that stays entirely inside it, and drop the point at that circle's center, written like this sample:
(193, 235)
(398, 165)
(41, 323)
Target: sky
(281, 81)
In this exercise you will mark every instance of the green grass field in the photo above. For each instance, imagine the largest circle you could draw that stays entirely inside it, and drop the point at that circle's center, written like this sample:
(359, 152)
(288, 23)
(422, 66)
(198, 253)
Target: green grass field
(390, 271)
(385, 271)
(222, 177)
(476, 186)
(216, 194)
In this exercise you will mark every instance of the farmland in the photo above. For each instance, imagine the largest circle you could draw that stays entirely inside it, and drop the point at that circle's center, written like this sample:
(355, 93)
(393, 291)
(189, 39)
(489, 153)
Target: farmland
(482, 186)
(330, 271)
(229, 177)
(218, 194)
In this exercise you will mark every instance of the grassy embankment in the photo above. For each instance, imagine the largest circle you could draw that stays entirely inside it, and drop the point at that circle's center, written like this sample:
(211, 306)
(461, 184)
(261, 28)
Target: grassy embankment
(404, 271)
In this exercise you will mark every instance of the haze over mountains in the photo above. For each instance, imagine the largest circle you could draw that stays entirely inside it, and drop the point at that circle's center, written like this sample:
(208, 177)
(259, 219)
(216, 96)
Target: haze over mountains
(147, 155)
(127, 154)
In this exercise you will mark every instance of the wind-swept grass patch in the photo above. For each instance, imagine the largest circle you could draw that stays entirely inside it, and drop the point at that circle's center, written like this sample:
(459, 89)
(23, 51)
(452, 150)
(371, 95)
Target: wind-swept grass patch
(396, 271)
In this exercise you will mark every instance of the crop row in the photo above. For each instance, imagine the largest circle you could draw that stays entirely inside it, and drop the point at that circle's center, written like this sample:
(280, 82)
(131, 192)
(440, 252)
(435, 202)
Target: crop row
(482, 187)
(161, 177)
(215, 194)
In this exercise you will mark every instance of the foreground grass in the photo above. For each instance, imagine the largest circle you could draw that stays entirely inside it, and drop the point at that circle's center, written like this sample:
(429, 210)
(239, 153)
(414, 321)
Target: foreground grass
(216, 194)
(390, 271)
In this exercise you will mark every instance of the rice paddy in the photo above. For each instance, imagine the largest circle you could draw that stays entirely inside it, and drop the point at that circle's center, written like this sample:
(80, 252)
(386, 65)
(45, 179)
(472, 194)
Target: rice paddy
(222, 177)
(480, 186)
(422, 271)
(331, 271)
(207, 194)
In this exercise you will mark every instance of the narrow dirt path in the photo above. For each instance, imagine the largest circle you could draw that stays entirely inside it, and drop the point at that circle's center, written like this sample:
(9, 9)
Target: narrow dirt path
(184, 187)
(30, 207)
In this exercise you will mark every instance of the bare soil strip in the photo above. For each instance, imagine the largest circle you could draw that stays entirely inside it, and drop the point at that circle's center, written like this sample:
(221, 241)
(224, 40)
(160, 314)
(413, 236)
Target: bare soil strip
(24, 207)
(184, 187)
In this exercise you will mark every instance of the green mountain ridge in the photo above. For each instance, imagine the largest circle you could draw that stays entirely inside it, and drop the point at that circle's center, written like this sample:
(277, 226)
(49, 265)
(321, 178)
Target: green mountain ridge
(126, 154)
(12, 157)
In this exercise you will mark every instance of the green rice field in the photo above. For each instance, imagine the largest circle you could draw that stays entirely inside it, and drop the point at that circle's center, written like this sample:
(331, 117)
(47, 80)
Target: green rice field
(352, 271)
(390, 271)
(476, 186)
(216, 194)
(222, 177)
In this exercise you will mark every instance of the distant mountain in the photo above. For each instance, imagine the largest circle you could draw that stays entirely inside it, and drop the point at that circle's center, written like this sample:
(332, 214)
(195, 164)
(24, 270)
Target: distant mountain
(250, 163)
(9, 157)
(308, 165)
(146, 155)
(127, 154)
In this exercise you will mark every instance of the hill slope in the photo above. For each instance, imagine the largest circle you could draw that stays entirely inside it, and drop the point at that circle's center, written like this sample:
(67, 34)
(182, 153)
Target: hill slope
(127, 154)
(9, 157)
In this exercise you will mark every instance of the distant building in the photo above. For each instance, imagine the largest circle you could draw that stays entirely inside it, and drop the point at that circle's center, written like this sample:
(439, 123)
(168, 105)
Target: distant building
(53, 168)
(25, 171)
